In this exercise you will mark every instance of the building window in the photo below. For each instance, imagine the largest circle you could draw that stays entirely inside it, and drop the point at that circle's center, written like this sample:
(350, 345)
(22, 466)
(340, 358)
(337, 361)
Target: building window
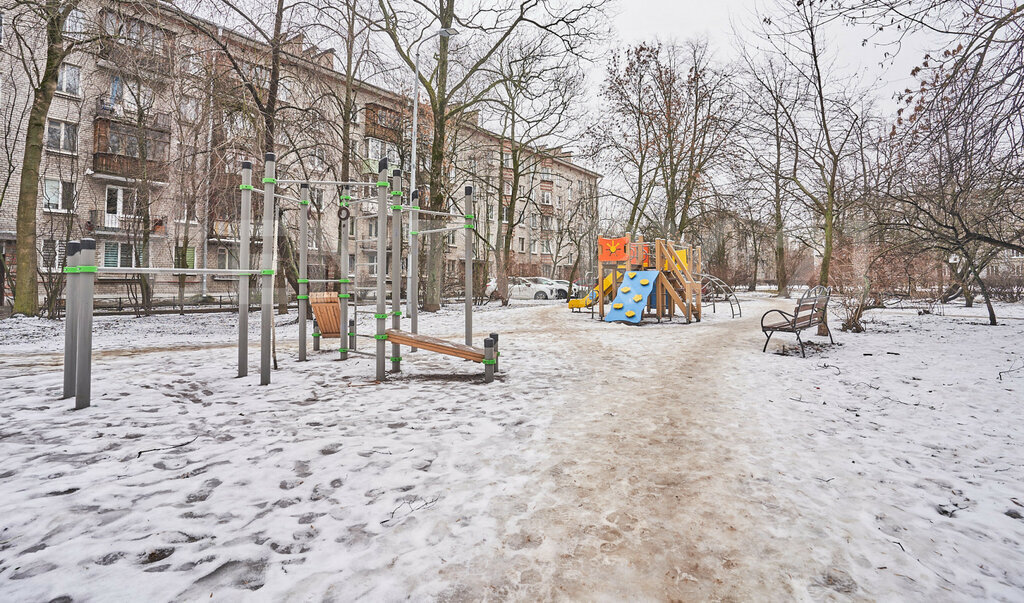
(545, 173)
(508, 187)
(451, 238)
(74, 25)
(545, 198)
(119, 255)
(371, 263)
(227, 259)
(54, 255)
(69, 78)
(545, 223)
(184, 257)
(190, 109)
(522, 244)
(371, 229)
(62, 136)
(545, 246)
(533, 246)
(506, 213)
(316, 198)
(533, 221)
(377, 149)
(58, 195)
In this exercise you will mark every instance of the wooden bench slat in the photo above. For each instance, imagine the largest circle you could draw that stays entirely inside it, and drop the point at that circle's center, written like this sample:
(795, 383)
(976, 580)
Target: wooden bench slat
(433, 344)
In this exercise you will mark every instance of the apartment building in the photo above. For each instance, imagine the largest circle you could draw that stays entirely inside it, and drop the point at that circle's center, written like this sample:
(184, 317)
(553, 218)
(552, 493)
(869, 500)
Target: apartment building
(152, 119)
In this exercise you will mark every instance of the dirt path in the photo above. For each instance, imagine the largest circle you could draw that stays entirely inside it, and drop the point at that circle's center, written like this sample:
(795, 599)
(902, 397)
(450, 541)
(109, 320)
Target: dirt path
(646, 496)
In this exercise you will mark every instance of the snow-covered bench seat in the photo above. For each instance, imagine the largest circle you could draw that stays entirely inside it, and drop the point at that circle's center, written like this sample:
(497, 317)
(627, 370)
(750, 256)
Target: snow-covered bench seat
(809, 313)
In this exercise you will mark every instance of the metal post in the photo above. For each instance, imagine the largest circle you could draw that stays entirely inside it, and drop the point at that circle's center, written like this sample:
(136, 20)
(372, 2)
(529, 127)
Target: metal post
(412, 294)
(303, 298)
(469, 264)
(382, 237)
(351, 335)
(86, 288)
(344, 297)
(497, 353)
(267, 266)
(244, 236)
(396, 266)
(71, 301)
(488, 360)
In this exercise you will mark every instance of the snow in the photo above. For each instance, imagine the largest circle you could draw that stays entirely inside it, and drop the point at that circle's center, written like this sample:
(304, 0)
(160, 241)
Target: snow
(607, 462)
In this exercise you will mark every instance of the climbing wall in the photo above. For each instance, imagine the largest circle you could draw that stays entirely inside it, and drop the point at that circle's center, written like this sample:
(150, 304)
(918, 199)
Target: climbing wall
(629, 302)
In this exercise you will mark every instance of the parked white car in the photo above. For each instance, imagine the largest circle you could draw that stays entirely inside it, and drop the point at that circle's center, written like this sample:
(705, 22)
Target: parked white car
(521, 288)
(561, 291)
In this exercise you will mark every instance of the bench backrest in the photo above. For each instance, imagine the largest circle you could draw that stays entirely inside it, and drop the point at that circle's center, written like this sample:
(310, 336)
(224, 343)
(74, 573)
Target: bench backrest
(810, 309)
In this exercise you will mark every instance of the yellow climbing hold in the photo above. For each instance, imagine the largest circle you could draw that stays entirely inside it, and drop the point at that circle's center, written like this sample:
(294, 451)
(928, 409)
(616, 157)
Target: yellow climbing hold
(637, 297)
(632, 275)
(630, 314)
(644, 282)
(617, 306)
(626, 289)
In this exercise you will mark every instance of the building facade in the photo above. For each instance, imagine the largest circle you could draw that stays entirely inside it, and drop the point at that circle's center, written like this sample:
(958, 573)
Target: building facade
(154, 113)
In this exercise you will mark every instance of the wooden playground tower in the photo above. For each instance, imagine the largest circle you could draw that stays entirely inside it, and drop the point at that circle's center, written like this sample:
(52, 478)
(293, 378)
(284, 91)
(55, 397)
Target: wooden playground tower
(677, 287)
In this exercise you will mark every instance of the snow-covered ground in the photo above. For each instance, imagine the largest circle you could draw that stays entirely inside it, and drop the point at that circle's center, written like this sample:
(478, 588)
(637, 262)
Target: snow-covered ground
(607, 462)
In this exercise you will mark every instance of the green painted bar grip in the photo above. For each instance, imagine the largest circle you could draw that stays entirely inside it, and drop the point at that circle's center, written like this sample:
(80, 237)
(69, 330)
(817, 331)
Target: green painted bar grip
(469, 216)
(87, 268)
(270, 180)
(351, 334)
(414, 232)
(398, 313)
(303, 202)
(380, 316)
(303, 280)
(316, 334)
(396, 193)
(396, 359)
(245, 187)
(384, 336)
(267, 272)
(383, 183)
(344, 280)
(301, 297)
(396, 207)
(345, 197)
(486, 361)
(71, 270)
(469, 226)
(343, 350)
(344, 295)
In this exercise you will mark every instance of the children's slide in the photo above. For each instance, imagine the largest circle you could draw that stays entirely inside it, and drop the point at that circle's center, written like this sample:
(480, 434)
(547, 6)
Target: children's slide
(629, 303)
(591, 298)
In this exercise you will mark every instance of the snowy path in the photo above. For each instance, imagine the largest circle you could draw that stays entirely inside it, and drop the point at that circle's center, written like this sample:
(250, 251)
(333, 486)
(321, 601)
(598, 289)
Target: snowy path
(610, 462)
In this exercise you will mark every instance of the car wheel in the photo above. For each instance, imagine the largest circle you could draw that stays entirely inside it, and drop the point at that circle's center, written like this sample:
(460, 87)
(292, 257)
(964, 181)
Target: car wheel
(540, 295)
(561, 294)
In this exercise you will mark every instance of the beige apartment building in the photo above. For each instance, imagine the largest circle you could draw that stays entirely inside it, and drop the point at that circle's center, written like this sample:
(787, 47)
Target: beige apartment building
(151, 121)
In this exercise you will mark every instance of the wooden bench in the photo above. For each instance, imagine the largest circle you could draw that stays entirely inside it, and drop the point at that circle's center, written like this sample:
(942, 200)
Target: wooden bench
(810, 312)
(327, 312)
(433, 344)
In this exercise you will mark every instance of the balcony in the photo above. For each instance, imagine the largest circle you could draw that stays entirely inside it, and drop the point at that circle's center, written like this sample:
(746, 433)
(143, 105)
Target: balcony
(130, 58)
(100, 221)
(224, 230)
(153, 120)
(131, 168)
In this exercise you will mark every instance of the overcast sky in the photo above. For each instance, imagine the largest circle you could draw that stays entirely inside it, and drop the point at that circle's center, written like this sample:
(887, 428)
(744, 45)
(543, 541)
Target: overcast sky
(717, 20)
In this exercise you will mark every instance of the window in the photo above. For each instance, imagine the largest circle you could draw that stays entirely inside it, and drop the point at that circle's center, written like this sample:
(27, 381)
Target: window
(545, 198)
(545, 173)
(545, 246)
(120, 255)
(192, 64)
(533, 221)
(62, 136)
(184, 257)
(371, 229)
(371, 263)
(522, 244)
(451, 238)
(190, 109)
(377, 149)
(318, 159)
(506, 213)
(533, 246)
(508, 187)
(506, 160)
(138, 97)
(119, 201)
(545, 223)
(69, 79)
(54, 255)
(74, 25)
(227, 259)
(316, 197)
(58, 195)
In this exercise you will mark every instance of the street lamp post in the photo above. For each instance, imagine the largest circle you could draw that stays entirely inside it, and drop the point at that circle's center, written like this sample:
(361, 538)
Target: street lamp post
(412, 296)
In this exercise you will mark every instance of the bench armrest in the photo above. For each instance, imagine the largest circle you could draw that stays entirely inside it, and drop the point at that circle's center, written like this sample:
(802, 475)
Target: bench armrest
(789, 317)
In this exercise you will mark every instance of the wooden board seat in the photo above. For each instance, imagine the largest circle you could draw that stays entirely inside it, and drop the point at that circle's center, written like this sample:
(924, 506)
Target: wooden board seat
(327, 313)
(433, 344)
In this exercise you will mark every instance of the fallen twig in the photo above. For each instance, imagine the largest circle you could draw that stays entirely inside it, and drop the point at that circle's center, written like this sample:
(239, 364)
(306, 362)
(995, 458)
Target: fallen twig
(141, 452)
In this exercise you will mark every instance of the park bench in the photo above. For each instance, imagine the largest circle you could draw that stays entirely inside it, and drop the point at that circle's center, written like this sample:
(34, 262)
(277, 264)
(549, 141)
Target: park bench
(809, 313)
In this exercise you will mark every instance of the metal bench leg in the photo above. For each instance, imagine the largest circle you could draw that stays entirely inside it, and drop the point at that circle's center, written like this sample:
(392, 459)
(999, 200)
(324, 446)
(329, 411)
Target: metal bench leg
(769, 338)
(801, 342)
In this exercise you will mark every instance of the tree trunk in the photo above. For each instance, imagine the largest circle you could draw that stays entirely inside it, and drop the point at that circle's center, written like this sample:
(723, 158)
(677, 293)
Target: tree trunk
(26, 292)
(826, 260)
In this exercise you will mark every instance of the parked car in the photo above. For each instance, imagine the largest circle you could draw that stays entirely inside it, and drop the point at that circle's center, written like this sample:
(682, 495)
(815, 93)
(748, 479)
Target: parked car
(561, 291)
(521, 288)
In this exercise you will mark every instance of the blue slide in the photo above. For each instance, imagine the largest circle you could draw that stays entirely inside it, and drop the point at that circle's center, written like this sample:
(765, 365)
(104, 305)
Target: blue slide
(631, 298)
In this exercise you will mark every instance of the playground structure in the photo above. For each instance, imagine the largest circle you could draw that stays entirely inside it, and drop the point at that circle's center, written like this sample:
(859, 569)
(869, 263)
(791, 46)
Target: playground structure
(331, 309)
(639, 279)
